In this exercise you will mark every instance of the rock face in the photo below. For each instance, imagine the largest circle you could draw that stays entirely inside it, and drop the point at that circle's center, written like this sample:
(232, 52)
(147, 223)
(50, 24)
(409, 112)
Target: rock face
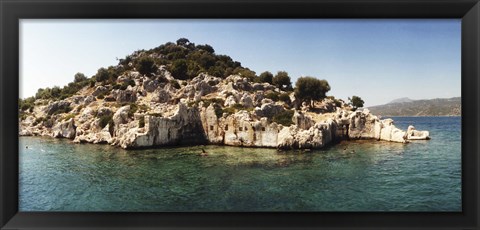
(184, 127)
(124, 95)
(316, 136)
(413, 134)
(162, 111)
(57, 106)
(64, 129)
(269, 110)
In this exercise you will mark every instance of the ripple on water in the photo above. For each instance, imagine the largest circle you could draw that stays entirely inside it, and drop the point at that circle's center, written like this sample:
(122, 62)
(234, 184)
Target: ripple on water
(350, 176)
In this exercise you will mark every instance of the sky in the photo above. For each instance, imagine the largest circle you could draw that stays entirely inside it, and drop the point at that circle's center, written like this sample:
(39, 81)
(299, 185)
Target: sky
(377, 59)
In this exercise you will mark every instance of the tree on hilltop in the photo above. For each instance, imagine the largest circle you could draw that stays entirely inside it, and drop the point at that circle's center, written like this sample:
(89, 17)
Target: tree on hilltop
(183, 42)
(79, 77)
(282, 80)
(356, 102)
(310, 89)
(207, 48)
(266, 77)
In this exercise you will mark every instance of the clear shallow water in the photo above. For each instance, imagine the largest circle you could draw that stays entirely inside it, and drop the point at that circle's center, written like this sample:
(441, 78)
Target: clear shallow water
(57, 175)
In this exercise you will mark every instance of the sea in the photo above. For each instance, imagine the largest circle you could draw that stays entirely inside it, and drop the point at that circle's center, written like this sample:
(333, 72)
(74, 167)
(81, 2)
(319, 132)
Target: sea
(351, 176)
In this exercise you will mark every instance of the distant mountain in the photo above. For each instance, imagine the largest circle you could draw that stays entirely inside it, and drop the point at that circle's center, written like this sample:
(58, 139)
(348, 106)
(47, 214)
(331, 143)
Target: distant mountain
(408, 107)
(401, 100)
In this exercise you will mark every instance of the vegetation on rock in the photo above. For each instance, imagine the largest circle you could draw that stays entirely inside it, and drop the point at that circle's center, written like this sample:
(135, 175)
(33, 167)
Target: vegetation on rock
(282, 81)
(265, 77)
(310, 89)
(284, 118)
(356, 102)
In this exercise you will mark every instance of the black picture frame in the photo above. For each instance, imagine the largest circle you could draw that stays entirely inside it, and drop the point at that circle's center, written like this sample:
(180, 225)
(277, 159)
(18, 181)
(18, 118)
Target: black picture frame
(11, 11)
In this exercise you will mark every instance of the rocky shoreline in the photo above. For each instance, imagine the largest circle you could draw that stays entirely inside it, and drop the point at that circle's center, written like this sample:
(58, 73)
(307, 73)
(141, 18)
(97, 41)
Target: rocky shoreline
(165, 123)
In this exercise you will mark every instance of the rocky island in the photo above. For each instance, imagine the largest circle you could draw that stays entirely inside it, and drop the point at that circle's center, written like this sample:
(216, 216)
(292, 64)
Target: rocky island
(181, 93)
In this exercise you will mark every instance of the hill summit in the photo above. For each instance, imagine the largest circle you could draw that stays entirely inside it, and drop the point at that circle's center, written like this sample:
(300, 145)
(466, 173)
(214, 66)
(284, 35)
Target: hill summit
(401, 100)
(182, 93)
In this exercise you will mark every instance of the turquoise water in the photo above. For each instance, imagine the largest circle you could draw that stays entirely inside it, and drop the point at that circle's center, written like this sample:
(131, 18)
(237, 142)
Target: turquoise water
(57, 175)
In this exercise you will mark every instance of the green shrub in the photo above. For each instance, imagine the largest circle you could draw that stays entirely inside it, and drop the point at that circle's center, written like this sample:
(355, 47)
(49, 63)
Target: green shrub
(218, 111)
(337, 102)
(179, 69)
(155, 114)
(105, 120)
(79, 77)
(39, 120)
(265, 77)
(274, 96)
(247, 73)
(141, 122)
(175, 84)
(284, 118)
(229, 110)
(123, 86)
(206, 47)
(143, 108)
(146, 65)
(102, 75)
(284, 97)
(133, 109)
(192, 103)
(212, 83)
(116, 86)
(218, 101)
(108, 75)
(62, 110)
(68, 117)
(238, 106)
(26, 104)
(228, 94)
(80, 107)
(22, 116)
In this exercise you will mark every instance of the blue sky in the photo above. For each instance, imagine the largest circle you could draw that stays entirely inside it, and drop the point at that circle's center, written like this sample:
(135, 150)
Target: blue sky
(378, 60)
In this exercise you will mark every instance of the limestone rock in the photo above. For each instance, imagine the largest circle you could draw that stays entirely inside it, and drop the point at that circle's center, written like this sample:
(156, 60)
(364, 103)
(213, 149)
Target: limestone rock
(77, 99)
(104, 111)
(269, 110)
(211, 125)
(203, 88)
(161, 96)
(302, 120)
(88, 99)
(413, 134)
(87, 114)
(150, 85)
(184, 127)
(230, 101)
(121, 115)
(122, 96)
(100, 90)
(246, 101)
(391, 133)
(64, 129)
(57, 106)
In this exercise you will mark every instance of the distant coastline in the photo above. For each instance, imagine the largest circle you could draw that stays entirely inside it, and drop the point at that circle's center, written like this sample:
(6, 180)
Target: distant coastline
(405, 107)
